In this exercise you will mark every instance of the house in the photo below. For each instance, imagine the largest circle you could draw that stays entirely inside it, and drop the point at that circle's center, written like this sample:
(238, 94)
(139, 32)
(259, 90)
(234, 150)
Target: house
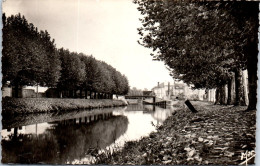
(24, 91)
(164, 90)
(171, 90)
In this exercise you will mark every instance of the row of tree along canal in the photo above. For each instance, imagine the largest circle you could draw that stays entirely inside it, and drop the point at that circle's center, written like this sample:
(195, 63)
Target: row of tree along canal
(205, 44)
(30, 57)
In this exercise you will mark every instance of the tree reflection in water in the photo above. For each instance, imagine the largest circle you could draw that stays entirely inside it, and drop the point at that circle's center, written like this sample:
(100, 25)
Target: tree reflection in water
(74, 137)
(64, 141)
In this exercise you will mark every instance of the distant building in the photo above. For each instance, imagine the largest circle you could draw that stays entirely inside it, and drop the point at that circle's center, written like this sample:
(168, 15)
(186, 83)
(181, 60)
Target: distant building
(171, 90)
(164, 90)
(6, 91)
(24, 91)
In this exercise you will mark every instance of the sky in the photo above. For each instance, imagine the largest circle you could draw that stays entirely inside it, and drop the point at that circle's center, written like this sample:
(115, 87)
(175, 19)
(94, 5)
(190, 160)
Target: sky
(106, 29)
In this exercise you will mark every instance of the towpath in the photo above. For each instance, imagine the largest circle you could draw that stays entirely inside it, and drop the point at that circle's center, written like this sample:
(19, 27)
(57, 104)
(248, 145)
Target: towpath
(215, 135)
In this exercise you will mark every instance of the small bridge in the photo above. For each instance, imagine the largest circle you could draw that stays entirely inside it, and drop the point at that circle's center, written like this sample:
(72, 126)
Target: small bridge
(153, 102)
(138, 97)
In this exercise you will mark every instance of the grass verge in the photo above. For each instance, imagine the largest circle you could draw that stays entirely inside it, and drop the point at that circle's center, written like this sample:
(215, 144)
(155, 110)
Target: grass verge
(33, 105)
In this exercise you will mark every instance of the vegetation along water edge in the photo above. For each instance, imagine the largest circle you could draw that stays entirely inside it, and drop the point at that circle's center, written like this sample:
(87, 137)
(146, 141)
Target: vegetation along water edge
(34, 105)
(215, 135)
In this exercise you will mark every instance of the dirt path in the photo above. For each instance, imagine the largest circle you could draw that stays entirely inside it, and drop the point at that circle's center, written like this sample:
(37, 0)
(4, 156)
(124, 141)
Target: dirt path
(215, 135)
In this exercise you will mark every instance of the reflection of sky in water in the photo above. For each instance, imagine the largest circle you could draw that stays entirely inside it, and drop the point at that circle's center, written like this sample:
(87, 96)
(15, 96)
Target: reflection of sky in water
(138, 123)
(34, 129)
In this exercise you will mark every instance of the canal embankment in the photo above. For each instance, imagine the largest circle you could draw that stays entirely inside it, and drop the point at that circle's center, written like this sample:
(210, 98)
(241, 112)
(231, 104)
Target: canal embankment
(215, 135)
(76, 136)
(37, 105)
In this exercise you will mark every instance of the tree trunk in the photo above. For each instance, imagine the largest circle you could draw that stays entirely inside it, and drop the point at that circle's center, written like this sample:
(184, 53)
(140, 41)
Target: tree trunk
(67, 94)
(208, 94)
(15, 132)
(217, 96)
(16, 90)
(245, 83)
(80, 93)
(240, 98)
(75, 94)
(233, 90)
(252, 54)
(60, 92)
(229, 98)
(86, 94)
(71, 93)
(252, 77)
(252, 96)
(222, 95)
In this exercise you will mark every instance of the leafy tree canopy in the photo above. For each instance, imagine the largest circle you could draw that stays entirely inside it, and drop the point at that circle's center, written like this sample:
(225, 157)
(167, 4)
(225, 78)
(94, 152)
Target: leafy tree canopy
(201, 43)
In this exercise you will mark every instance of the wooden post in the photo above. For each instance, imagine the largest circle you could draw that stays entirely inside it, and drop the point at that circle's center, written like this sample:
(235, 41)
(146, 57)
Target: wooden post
(190, 106)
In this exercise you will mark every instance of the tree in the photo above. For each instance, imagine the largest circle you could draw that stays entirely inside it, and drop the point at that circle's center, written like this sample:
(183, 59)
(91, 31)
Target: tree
(90, 72)
(29, 57)
(135, 92)
(53, 64)
(72, 72)
(102, 78)
(201, 43)
(108, 82)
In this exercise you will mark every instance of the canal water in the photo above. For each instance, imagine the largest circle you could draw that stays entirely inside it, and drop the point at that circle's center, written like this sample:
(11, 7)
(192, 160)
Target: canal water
(75, 137)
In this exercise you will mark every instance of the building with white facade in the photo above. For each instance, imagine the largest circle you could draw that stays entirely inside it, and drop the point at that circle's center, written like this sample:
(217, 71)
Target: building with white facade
(171, 90)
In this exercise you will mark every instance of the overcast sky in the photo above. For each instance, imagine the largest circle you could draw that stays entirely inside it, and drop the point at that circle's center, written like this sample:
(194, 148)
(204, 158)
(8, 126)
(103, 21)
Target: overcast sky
(107, 29)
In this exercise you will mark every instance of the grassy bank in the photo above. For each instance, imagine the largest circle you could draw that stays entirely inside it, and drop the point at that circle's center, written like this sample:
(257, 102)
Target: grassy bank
(33, 105)
(215, 135)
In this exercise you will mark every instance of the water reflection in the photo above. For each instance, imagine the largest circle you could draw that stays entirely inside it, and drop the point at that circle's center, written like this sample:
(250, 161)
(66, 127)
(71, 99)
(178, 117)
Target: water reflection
(61, 141)
(15, 121)
(141, 119)
(69, 138)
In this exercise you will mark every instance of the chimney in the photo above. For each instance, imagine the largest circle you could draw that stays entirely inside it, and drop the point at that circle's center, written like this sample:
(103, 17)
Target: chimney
(158, 84)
